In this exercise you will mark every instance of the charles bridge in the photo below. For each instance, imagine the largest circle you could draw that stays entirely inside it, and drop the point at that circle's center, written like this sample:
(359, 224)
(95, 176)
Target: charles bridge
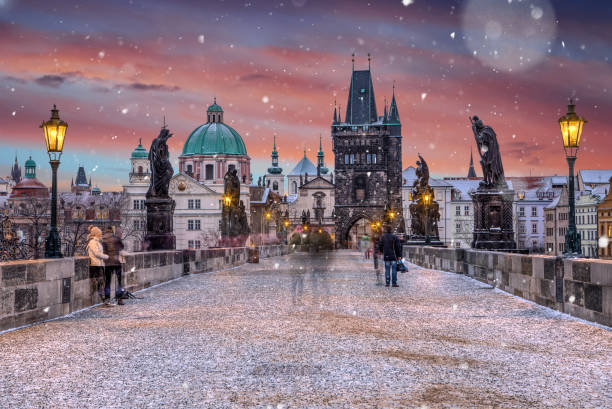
(309, 330)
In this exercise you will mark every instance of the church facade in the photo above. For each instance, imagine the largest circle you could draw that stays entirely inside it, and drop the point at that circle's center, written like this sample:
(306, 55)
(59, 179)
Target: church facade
(368, 162)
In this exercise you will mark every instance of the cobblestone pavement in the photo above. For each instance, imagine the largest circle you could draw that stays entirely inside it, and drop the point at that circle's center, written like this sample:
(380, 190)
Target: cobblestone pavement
(309, 332)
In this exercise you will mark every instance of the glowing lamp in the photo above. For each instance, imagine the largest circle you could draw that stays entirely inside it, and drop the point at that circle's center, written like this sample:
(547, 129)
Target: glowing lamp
(227, 200)
(55, 132)
(571, 129)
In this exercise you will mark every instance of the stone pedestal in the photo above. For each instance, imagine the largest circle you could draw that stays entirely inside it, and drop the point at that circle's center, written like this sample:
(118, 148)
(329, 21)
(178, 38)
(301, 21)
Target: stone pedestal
(493, 227)
(160, 226)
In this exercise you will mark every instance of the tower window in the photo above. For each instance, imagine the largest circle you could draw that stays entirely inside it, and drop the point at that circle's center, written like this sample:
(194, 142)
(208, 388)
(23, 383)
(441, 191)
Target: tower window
(359, 185)
(139, 169)
(275, 185)
(190, 170)
(294, 187)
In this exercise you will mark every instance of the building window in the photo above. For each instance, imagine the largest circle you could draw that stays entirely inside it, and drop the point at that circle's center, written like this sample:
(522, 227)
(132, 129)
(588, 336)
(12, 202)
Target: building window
(193, 244)
(352, 159)
(466, 210)
(193, 224)
(190, 170)
(360, 188)
(457, 210)
(194, 204)
(374, 158)
(521, 228)
(534, 211)
(275, 186)
(534, 227)
(458, 228)
(139, 204)
(210, 170)
(346, 159)
(521, 211)
(294, 187)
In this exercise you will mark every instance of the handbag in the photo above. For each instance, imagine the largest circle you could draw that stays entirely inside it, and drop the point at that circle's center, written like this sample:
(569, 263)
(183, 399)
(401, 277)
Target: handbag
(399, 265)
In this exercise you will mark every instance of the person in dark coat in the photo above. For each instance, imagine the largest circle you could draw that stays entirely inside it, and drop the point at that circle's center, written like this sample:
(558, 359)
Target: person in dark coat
(112, 246)
(391, 248)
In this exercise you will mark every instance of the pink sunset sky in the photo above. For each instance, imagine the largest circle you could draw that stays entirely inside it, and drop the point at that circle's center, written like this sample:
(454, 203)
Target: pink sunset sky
(115, 68)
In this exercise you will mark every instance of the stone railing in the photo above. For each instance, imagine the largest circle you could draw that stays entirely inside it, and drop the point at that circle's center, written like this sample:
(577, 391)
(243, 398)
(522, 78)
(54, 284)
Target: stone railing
(37, 290)
(579, 287)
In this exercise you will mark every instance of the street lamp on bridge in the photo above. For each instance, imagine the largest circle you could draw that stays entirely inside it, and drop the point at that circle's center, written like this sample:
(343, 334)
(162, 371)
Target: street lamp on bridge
(571, 129)
(55, 131)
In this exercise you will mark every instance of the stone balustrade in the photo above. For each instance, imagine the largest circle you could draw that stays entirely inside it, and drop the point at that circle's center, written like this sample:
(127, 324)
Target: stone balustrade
(37, 290)
(579, 287)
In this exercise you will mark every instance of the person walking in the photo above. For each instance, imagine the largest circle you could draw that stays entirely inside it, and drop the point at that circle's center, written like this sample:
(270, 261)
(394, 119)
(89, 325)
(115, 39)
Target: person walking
(95, 251)
(390, 246)
(112, 246)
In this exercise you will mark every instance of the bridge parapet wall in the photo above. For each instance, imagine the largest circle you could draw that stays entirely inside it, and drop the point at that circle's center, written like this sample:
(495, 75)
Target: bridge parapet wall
(37, 290)
(579, 287)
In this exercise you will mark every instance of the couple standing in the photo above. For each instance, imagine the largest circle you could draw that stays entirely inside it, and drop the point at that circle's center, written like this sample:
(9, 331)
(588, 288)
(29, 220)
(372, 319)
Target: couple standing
(391, 248)
(105, 257)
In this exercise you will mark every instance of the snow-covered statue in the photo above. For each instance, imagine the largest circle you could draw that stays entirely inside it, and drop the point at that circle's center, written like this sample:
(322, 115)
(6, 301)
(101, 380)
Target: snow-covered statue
(490, 158)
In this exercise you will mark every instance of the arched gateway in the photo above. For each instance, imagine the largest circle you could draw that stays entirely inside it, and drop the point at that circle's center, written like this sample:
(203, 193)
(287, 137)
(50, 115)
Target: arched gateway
(368, 160)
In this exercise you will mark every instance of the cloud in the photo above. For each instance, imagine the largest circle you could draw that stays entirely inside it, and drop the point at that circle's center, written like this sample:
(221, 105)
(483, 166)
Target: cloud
(139, 86)
(255, 77)
(49, 80)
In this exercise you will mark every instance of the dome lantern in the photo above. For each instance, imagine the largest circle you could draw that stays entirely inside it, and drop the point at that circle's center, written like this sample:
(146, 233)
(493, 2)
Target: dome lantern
(214, 113)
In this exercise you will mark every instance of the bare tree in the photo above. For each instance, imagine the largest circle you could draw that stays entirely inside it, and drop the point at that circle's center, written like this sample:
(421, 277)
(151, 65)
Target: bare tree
(31, 217)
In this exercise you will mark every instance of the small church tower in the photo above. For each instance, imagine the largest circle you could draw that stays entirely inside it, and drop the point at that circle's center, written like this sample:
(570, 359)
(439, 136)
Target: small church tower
(140, 165)
(275, 174)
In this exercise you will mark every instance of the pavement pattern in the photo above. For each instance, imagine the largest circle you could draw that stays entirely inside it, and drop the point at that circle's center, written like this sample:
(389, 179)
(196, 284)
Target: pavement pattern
(311, 331)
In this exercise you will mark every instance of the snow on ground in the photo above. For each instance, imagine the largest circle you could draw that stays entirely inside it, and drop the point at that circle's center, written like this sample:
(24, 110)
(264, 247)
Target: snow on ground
(306, 331)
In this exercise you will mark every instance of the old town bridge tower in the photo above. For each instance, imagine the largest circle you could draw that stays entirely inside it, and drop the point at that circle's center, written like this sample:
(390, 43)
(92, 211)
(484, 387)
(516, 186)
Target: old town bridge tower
(368, 162)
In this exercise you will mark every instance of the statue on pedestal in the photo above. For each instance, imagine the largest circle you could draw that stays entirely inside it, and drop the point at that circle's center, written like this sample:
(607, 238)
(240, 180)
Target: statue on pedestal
(160, 207)
(493, 226)
(424, 211)
(234, 221)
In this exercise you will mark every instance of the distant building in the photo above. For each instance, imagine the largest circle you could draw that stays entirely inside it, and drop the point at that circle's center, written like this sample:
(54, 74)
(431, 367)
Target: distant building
(209, 152)
(81, 185)
(368, 162)
(4, 187)
(604, 210)
(532, 195)
(556, 223)
(15, 176)
(29, 187)
(586, 222)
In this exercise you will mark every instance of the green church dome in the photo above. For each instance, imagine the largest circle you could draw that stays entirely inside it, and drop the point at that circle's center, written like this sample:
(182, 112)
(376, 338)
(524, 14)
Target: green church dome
(30, 163)
(214, 138)
(140, 152)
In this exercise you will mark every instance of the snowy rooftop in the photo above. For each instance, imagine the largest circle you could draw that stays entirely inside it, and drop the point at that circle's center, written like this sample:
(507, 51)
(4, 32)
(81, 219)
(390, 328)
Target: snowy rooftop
(409, 176)
(596, 176)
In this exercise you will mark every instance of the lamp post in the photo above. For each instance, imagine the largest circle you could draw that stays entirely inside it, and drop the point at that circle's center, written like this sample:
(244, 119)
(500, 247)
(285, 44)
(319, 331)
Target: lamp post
(55, 131)
(571, 129)
(426, 200)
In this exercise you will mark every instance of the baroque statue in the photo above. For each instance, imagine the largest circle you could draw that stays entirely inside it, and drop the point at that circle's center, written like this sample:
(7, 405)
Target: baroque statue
(160, 206)
(490, 158)
(424, 211)
(234, 221)
(161, 168)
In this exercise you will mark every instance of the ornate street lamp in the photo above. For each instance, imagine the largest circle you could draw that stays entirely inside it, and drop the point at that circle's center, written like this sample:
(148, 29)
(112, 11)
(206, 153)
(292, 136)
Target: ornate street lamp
(55, 131)
(426, 201)
(571, 129)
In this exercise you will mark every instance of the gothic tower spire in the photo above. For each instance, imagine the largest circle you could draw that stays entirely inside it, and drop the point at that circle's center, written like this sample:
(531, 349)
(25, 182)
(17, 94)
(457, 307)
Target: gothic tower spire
(471, 171)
